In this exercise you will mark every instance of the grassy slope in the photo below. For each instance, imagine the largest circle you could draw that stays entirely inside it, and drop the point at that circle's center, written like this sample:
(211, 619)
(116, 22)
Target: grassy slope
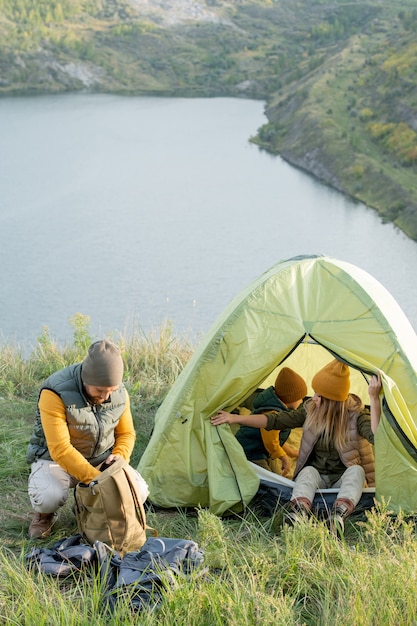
(327, 121)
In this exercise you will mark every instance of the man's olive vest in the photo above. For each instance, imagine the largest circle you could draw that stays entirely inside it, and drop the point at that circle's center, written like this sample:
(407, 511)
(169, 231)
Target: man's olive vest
(91, 427)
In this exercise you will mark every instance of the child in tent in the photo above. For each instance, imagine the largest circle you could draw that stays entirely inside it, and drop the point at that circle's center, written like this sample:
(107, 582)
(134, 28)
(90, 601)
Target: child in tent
(263, 446)
(335, 448)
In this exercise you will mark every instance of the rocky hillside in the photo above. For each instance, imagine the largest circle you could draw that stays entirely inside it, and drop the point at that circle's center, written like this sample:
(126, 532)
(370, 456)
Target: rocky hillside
(352, 121)
(338, 77)
(182, 47)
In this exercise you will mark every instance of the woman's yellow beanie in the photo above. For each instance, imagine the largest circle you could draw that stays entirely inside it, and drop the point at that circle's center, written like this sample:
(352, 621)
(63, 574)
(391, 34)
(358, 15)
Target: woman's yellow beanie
(333, 381)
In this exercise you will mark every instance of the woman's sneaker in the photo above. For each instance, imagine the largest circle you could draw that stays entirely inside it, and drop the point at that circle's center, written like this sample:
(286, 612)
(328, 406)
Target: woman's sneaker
(336, 520)
(294, 513)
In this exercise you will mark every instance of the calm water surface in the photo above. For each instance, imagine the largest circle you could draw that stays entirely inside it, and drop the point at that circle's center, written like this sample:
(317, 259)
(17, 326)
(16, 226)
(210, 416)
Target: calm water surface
(135, 211)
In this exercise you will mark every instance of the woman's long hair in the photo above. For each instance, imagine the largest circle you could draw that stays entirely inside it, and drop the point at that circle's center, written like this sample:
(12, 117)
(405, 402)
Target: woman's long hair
(330, 420)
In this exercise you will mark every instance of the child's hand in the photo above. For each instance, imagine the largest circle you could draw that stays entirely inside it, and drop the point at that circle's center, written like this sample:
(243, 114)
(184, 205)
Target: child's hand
(285, 465)
(292, 452)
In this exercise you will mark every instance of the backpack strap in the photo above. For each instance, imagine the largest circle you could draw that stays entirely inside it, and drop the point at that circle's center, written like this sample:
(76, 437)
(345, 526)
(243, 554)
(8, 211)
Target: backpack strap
(140, 510)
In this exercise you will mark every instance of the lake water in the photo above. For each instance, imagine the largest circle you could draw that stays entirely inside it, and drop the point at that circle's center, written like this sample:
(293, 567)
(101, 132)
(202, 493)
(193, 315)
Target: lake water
(135, 211)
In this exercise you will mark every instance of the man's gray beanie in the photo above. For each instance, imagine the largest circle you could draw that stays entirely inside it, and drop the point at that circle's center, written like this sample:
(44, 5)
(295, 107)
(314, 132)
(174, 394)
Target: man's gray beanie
(103, 365)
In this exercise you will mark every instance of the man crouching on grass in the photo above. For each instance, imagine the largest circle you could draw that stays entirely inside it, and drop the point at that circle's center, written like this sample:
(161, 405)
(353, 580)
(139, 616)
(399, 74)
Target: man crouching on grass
(83, 418)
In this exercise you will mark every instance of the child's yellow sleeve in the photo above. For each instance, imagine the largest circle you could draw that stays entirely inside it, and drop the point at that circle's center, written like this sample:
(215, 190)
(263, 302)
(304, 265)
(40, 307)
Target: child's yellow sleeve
(270, 440)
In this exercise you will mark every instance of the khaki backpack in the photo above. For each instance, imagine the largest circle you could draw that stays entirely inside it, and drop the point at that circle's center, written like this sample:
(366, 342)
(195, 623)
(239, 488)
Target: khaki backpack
(110, 509)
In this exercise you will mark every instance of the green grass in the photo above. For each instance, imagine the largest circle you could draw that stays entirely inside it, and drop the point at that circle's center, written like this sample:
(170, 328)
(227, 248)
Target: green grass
(254, 571)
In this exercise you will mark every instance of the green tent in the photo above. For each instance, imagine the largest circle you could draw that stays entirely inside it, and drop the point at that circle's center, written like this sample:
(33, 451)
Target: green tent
(301, 313)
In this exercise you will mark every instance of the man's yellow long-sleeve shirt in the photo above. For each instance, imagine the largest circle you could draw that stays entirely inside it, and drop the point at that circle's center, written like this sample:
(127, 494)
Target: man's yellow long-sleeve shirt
(55, 427)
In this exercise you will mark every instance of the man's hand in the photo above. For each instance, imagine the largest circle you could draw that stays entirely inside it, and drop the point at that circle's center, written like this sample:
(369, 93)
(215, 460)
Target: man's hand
(109, 461)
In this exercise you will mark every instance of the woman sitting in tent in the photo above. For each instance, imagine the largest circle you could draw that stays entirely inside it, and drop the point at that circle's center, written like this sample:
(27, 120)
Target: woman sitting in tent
(335, 448)
(262, 446)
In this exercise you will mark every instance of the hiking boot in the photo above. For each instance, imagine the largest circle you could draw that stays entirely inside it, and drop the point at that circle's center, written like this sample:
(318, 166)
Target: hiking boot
(41, 525)
(295, 513)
